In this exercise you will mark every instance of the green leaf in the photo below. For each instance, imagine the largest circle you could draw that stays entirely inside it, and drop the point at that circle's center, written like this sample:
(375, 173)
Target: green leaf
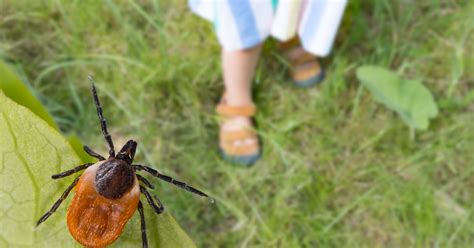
(77, 146)
(15, 89)
(30, 151)
(409, 98)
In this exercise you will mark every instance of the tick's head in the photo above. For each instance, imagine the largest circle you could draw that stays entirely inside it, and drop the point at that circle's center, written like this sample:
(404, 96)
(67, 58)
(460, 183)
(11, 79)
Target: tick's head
(127, 153)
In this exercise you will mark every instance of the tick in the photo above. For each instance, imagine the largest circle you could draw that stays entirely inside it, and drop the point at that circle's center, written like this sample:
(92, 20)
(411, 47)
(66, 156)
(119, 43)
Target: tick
(108, 192)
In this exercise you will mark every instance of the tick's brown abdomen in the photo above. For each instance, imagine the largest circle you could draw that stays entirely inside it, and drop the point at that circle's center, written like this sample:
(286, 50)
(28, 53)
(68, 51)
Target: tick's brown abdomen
(94, 220)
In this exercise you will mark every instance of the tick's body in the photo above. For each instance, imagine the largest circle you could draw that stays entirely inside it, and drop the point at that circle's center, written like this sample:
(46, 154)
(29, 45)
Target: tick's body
(94, 219)
(108, 193)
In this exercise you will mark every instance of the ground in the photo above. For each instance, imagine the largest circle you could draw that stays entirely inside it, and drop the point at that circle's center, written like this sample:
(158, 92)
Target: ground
(338, 169)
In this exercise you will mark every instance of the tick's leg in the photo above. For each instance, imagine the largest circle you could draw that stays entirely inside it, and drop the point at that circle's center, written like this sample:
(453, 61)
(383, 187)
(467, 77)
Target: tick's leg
(145, 181)
(103, 122)
(93, 154)
(157, 207)
(58, 202)
(71, 171)
(143, 226)
(170, 180)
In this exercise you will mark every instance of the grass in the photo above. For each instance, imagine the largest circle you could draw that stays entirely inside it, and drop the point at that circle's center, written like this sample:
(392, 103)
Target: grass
(338, 169)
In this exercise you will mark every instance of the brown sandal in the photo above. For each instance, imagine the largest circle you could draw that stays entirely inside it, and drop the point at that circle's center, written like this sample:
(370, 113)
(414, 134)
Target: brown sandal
(242, 154)
(305, 68)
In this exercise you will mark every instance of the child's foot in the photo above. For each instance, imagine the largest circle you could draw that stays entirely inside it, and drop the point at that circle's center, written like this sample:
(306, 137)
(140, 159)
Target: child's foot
(238, 139)
(306, 70)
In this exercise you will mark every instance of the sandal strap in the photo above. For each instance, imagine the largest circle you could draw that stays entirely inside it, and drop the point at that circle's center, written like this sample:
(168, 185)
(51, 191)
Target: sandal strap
(305, 71)
(295, 53)
(298, 56)
(231, 111)
(240, 150)
(232, 136)
(229, 137)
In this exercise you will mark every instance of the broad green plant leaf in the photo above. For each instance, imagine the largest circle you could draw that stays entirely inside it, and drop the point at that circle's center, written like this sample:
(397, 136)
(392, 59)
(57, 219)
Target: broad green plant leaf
(30, 152)
(77, 146)
(409, 98)
(14, 88)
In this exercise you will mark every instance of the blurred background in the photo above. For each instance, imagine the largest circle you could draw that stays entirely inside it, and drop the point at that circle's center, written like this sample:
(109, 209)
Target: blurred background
(338, 170)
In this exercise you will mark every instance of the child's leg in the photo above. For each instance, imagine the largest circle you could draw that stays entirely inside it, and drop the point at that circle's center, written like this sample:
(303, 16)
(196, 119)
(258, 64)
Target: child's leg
(239, 69)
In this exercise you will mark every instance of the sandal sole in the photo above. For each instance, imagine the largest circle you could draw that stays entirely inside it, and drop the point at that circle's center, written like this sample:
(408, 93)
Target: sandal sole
(247, 160)
(310, 82)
